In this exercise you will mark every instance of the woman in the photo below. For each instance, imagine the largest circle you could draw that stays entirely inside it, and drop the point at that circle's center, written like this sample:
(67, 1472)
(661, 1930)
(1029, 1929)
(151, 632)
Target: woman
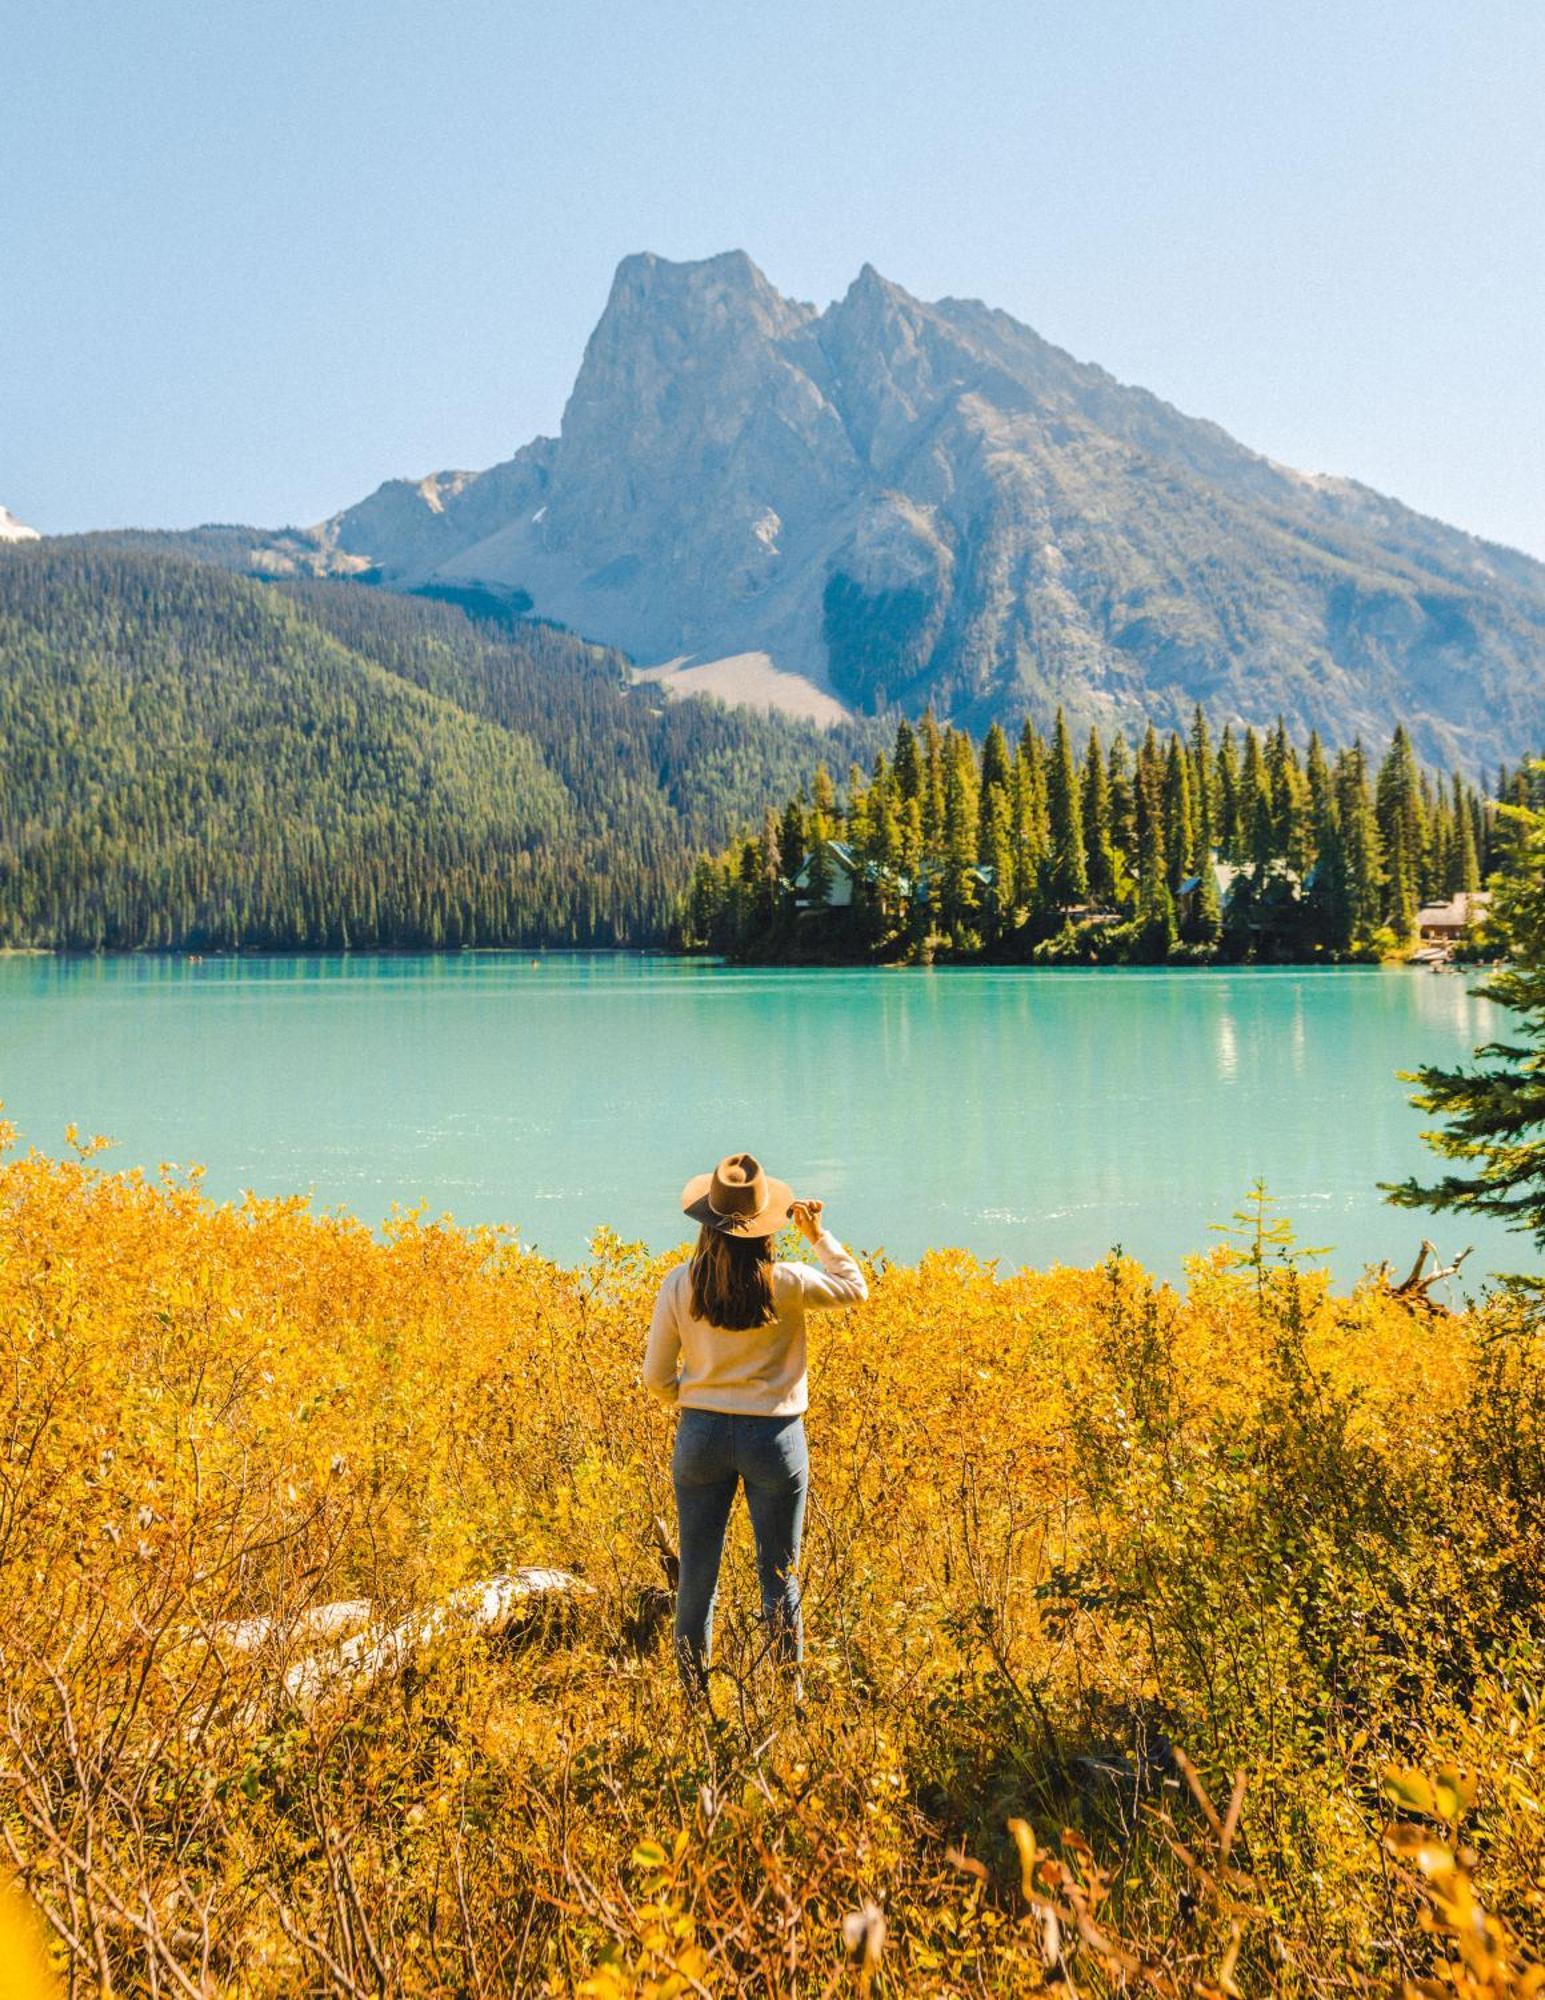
(727, 1347)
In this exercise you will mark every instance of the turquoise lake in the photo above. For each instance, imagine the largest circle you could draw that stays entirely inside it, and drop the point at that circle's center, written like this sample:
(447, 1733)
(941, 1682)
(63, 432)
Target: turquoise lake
(1033, 1116)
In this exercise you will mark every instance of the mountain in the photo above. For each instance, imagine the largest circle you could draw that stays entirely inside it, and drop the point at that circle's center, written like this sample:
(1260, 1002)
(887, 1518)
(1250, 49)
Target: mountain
(194, 758)
(12, 530)
(891, 503)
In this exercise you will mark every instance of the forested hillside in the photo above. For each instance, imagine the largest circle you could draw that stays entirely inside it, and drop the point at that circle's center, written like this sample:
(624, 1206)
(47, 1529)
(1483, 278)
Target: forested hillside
(193, 758)
(1186, 847)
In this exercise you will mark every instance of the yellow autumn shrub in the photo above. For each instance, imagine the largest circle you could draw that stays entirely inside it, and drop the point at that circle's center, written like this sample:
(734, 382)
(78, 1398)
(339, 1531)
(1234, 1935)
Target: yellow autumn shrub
(1123, 1603)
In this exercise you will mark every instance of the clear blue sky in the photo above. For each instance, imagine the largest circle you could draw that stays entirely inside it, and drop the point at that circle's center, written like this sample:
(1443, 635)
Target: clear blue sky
(255, 259)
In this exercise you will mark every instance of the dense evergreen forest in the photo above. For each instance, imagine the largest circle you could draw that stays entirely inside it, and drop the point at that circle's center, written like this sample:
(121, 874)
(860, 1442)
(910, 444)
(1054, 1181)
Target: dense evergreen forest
(194, 759)
(1184, 848)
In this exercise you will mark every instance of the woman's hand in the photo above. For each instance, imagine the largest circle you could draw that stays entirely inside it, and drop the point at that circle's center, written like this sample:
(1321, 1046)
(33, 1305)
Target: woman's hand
(806, 1217)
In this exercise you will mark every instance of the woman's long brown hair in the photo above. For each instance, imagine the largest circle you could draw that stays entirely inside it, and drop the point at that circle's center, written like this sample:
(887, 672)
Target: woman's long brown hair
(732, 1280)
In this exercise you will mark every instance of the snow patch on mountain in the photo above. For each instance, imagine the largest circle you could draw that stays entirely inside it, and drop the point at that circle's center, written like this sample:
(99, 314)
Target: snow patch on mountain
(12, 530)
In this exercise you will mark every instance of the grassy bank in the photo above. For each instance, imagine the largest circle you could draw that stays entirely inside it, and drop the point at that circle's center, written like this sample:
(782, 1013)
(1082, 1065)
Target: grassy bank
(1072, 1538)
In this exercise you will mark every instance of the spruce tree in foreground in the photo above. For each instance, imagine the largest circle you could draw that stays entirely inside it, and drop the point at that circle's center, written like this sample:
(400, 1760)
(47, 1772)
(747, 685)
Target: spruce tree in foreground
(1495, 1114)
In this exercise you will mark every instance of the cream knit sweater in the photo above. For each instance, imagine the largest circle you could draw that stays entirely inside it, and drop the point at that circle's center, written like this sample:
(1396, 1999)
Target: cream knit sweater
(756, 1373)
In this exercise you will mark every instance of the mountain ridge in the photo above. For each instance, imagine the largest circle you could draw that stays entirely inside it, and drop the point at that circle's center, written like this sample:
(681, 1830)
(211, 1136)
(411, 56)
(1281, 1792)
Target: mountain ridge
(889, 503)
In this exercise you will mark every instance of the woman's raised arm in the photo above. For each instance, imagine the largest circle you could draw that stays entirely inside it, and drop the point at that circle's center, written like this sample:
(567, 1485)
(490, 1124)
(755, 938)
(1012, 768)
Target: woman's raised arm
(839, 1282)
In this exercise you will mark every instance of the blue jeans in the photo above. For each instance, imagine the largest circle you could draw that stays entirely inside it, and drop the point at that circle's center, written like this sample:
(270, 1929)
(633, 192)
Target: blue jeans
(714, 1451)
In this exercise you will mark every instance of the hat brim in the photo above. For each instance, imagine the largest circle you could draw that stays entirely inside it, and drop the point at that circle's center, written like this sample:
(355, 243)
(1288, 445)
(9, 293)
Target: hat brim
(768, 1220)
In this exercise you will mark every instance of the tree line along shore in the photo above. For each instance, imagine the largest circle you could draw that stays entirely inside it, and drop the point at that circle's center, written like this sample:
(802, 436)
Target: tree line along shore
(1184, 848)
(192, 760)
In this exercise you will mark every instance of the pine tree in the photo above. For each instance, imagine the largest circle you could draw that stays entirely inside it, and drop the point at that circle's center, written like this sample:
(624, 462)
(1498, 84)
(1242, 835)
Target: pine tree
(933, 780)
(1289, 802)
(957, 895)
(912, 855)
(996, 777)
(1033, 751)
(908, 762)
(1179, 829)
(1205, 924)
(1465, 866)
(1329, 896)
(1276, 755)
(1026, 857)
(998, 860)
(752, 910)
(1435, 836)
(1099, 849)
(1204, 786)
(886, 846)
(995, 758)
(704, 905)
(1123, 802)
(1148, 788)
(1402, 830)
(1231, 833)
(1482, 823)
(1257, 814)
(1494, 1114)
(1033, 838)
(769, 868)
(821, 879)
(792, 839)
(1156, 927)
(1067, 874)
(857, 815)
(1361, 844)
(1321, 791)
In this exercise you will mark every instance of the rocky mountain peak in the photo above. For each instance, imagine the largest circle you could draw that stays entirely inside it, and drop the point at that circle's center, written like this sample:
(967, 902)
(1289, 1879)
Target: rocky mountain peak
(873, 287)
(714, 297)
(676, 338)
(895, 502)
(689, 392)
(893, 360)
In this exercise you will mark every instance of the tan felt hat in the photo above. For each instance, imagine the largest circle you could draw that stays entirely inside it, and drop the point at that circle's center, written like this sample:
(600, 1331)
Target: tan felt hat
(738, 1198)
